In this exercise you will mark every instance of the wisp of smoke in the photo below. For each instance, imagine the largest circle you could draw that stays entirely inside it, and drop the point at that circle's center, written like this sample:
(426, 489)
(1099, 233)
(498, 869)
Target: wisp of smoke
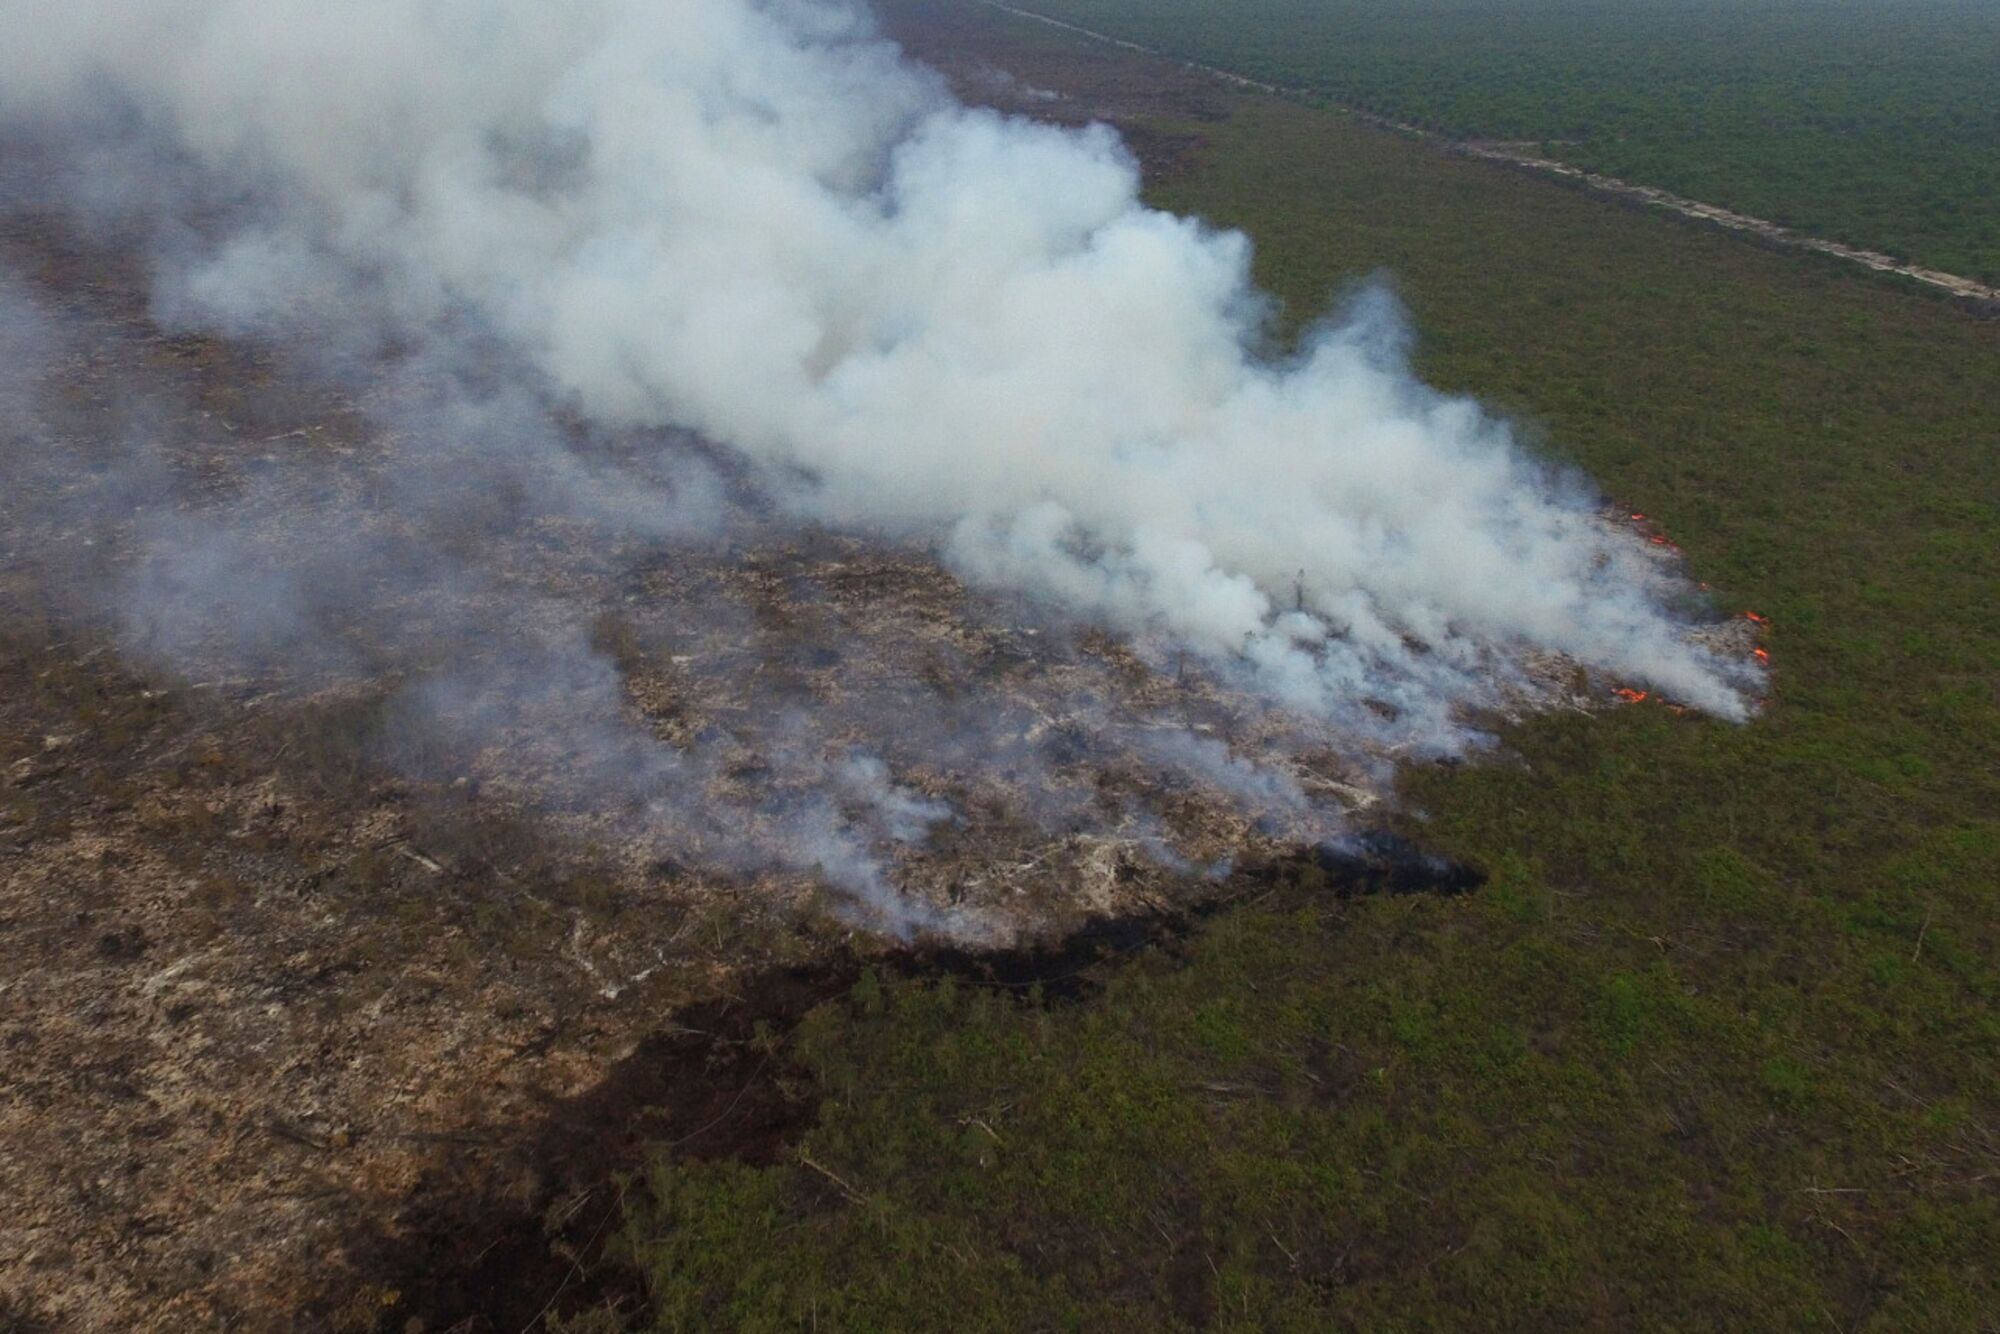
(752, 221)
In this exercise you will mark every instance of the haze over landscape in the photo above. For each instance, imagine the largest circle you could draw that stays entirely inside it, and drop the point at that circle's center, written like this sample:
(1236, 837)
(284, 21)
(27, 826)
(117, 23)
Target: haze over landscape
(589, 589)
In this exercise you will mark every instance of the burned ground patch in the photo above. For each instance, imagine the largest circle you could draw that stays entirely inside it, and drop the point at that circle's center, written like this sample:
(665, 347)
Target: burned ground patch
(302, 977)
(719, 1084)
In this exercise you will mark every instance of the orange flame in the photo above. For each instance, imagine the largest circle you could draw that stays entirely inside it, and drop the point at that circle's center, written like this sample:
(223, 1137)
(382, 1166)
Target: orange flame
(1762, 654)
(1638, 518)
(1755, 618)
(1630, 696)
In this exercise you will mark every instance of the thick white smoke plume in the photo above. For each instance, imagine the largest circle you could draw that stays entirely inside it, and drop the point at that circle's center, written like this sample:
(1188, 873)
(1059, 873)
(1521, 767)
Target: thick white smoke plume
(752, 221)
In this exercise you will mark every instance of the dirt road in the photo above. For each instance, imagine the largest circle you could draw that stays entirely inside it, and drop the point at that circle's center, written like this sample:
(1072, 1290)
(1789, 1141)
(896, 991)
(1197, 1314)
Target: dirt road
(1522, 158)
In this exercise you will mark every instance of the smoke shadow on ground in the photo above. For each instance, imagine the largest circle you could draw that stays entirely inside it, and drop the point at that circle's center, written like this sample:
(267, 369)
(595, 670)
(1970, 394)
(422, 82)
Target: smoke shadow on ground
(715, 1084)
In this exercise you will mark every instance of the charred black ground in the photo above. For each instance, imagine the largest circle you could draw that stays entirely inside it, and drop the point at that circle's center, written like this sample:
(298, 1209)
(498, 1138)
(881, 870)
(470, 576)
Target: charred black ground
(715, 1085)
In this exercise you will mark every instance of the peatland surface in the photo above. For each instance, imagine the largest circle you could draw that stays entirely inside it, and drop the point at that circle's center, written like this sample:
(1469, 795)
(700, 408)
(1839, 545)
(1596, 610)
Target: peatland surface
(1713, 1047)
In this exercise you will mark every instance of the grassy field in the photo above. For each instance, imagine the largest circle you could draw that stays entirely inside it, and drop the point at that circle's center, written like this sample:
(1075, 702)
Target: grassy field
(1716, 1045)
(1872, 123)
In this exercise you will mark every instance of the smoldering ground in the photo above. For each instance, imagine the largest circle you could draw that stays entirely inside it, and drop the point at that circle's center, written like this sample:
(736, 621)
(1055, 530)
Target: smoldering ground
(759, 463)
(756, 700)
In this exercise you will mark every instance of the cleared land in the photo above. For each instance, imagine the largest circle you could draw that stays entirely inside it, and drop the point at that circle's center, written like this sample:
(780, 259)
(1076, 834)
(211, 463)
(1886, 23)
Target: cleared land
(300, 993)
(313, 1012)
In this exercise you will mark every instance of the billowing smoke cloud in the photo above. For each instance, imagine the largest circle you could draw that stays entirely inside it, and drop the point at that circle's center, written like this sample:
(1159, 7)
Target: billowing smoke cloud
(749, 222)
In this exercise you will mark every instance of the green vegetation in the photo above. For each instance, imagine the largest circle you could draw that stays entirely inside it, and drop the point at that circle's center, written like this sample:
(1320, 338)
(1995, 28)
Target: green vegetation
(1716, 1047)
(1874, 122)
